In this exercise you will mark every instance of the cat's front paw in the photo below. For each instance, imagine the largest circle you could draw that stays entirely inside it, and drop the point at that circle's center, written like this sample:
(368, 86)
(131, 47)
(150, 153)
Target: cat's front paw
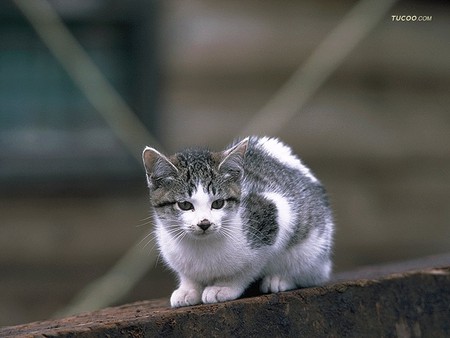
(185, 297)
(215, 294)
(276, 283)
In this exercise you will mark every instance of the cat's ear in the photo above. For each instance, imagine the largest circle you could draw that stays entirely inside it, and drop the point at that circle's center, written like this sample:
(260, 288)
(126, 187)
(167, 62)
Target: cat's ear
(157, 166)
(232, 159)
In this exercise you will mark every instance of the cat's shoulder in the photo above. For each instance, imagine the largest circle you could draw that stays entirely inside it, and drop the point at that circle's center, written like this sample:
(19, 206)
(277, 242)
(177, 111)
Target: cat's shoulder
(275, 149)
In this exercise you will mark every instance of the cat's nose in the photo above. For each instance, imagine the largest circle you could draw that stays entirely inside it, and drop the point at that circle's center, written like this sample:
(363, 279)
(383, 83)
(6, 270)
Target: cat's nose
(205, 224)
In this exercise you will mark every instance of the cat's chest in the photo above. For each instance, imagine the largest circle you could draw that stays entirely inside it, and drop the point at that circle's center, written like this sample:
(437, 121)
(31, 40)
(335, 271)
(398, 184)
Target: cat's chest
(208, 259)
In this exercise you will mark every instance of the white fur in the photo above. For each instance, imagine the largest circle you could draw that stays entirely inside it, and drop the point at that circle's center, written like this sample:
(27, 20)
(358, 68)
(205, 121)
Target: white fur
(298, 266)
(202, 208)
(201, 264)
(202, 202)
(202, 258)
(189, 293)
(283, 153)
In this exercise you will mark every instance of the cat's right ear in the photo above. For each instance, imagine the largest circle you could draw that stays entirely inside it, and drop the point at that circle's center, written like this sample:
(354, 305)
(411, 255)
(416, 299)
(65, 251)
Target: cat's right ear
(232, 159)
(157, 167)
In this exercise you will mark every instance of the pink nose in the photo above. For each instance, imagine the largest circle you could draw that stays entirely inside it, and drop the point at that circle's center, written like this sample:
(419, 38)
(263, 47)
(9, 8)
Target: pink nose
(205, 224)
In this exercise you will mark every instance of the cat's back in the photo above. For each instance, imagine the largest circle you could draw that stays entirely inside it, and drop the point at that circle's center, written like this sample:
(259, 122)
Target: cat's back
(282, 201)
(270, 161)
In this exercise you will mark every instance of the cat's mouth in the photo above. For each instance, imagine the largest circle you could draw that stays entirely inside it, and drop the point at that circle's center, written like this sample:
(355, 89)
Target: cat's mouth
(199, 232)
(202, 233)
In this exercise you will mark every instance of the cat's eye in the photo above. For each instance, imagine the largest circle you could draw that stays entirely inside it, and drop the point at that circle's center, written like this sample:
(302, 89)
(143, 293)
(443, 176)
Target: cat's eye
(218, 204)
(185, 206)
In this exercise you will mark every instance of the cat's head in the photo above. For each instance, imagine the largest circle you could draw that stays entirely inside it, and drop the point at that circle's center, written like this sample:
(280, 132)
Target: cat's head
(196, 192)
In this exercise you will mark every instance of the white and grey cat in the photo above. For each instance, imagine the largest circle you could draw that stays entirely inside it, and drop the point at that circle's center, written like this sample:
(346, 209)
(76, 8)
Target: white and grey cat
(226, 219)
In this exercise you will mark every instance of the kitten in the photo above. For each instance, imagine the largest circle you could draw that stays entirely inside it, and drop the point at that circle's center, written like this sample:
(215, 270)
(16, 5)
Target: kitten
(226, 219)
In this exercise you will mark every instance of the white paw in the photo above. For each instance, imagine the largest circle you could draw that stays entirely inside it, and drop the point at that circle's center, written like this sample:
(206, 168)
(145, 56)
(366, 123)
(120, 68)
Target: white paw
(276, 284)
(214, 294)
(185, 297)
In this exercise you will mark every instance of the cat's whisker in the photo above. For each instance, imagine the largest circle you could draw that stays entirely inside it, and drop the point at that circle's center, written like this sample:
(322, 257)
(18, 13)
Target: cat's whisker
(148, 236)
(237, 226)
(149, 217)
(255, 233)
(145, 221)
(158, 258)
(174, 233)
(230, 235)
(180, 236)
(155, 243)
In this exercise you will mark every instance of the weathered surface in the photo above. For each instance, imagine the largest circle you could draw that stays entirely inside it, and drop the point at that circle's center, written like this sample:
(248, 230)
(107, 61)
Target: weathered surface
(410, 304)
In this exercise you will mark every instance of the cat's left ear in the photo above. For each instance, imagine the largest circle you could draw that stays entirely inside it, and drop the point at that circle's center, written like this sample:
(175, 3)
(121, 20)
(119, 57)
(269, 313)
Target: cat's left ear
(157, 166)
(233, 158)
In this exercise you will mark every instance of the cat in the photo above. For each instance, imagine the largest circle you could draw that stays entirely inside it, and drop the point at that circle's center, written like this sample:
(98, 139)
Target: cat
(226, 219)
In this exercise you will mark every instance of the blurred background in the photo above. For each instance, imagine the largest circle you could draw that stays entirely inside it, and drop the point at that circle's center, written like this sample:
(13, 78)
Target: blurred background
(73, 196)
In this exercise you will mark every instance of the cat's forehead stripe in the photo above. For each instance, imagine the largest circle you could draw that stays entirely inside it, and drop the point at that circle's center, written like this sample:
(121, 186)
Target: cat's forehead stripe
(211, 188)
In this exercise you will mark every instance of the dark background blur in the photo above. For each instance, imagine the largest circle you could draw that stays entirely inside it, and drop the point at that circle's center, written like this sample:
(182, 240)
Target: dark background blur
(73, 198)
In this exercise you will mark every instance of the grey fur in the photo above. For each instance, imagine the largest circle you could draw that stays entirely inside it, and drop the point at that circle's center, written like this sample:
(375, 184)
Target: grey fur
(261, 220)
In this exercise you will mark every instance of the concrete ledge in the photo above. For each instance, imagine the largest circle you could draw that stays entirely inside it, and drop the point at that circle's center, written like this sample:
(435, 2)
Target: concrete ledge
(408, 304)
